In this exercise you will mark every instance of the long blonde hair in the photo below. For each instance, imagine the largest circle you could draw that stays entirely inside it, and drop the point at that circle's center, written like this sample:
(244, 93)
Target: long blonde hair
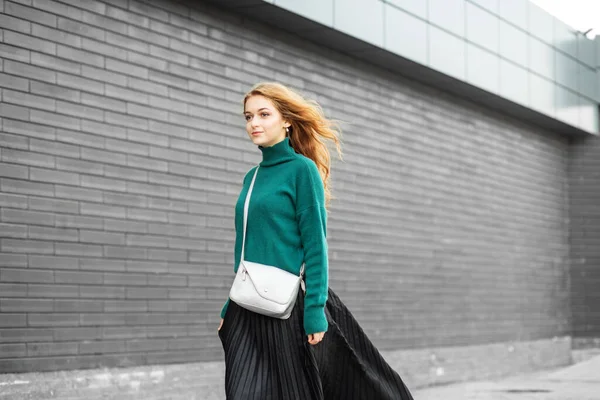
(309, 129)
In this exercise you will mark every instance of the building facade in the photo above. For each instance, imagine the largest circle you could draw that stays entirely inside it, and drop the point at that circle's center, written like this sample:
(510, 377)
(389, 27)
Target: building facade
(465, 230)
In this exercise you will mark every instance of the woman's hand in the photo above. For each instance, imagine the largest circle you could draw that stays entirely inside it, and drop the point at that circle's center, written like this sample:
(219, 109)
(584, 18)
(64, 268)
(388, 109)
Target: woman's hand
(220, 325)
(315, 338)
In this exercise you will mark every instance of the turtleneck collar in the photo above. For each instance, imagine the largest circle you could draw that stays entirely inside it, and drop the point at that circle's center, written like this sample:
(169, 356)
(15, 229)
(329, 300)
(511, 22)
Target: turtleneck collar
(278, 153)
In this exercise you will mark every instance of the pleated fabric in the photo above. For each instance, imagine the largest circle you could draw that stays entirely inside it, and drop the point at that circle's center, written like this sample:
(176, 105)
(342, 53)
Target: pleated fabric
(270, 359)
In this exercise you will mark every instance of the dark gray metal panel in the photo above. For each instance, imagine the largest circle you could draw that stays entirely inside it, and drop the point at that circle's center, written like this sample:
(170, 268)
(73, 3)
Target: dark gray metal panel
(238, 3)
(278, 17)
(320, 11)
(337, 40)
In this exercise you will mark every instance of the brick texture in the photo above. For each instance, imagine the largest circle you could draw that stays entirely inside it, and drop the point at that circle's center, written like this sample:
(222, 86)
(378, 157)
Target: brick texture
(584, 184)
(123, 150)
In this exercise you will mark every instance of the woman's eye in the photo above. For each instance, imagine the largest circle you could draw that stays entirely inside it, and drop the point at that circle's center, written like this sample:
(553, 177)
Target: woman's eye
(264, 115)
(247, 118)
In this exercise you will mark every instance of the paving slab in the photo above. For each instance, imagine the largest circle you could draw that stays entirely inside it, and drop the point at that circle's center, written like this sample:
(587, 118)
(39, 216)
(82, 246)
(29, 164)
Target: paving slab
(576, 382)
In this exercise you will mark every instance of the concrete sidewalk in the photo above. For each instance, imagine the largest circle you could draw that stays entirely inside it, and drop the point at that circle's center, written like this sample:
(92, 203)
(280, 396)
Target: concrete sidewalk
(576, 382)
(204, 381)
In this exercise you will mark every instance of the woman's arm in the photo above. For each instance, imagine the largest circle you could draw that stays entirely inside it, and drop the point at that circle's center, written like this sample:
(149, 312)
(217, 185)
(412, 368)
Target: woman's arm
(312, 222)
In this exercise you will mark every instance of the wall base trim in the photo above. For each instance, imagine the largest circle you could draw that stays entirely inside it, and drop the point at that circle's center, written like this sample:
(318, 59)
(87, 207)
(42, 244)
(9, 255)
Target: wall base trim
(418, 368)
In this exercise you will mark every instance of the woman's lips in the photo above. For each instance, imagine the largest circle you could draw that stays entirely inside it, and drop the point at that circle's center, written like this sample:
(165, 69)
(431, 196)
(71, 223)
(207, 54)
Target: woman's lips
(256, 133)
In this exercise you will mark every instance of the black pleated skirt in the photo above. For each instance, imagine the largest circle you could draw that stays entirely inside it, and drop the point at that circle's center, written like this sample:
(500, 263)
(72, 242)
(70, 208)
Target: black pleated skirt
(270, 359)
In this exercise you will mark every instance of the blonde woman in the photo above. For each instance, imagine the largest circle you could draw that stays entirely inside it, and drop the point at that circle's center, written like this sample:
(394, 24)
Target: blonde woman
(319, 352)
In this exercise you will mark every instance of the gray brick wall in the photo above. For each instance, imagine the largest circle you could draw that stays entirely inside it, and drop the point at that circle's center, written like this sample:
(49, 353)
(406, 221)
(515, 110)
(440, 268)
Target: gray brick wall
(123, 150)
(584, 182)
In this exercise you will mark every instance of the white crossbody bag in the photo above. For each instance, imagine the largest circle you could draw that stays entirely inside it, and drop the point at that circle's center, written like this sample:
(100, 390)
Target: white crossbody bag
(264, 289)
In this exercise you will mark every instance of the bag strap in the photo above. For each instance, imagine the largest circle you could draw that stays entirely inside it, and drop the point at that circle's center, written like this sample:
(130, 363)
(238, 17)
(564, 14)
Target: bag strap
(246, 206)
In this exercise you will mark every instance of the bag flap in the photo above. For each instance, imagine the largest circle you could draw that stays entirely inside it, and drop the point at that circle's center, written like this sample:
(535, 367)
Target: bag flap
(272, 283)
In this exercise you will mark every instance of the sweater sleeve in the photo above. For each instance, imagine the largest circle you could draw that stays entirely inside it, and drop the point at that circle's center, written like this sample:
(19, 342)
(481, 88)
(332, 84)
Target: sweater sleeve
(237, 246)
(312, 223)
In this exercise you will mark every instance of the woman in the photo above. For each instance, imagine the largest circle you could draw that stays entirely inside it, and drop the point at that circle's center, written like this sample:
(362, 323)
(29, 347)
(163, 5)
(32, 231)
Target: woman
(320, 352)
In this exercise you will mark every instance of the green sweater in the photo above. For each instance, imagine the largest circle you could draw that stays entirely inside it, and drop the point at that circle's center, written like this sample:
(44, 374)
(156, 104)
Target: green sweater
(287, 224)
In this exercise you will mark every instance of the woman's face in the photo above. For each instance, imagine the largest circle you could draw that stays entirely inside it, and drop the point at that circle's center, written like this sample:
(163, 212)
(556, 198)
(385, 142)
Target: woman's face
(264, 122)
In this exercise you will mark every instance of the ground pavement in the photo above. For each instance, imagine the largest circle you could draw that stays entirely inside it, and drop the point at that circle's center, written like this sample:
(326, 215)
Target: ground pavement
(580, 381)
